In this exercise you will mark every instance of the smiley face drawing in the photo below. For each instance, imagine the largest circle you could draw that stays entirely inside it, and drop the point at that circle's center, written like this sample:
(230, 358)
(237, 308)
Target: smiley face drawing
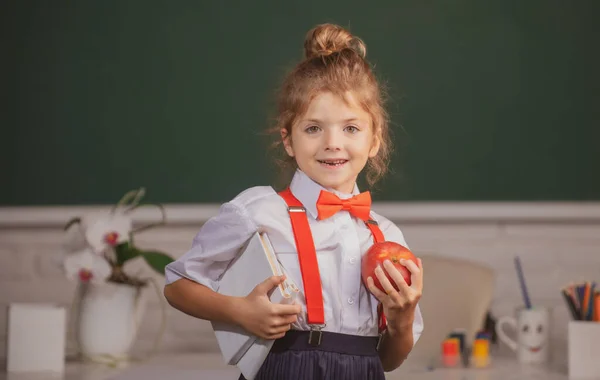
(531, 328)
(532, 335)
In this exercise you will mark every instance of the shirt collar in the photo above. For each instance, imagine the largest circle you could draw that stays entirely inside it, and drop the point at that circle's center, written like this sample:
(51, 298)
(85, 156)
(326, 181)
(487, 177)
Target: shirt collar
(307, 192)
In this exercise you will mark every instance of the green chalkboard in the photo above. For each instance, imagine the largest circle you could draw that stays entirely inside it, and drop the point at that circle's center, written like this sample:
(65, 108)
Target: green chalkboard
(490, 100)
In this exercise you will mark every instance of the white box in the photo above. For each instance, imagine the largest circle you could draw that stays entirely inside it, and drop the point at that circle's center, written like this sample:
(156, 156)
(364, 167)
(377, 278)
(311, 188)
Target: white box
(584, 350)
(36, 338)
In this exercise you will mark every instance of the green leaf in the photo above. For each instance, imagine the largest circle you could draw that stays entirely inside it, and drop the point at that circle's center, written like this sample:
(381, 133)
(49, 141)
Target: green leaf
(157, 260)
(124, 252)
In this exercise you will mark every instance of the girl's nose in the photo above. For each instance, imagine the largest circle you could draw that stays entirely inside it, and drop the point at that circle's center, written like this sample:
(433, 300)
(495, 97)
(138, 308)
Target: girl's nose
(333, 140)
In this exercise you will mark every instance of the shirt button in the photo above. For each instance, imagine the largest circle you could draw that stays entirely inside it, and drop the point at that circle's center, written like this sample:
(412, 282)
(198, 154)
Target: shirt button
(352, 260)
(351, 301)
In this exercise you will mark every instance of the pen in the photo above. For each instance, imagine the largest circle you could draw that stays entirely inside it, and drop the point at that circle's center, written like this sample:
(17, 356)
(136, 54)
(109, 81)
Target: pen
(522, 282)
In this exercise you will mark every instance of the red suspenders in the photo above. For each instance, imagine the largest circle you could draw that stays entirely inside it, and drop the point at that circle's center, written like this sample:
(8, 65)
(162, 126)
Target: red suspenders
(309, 267)
(307, 256)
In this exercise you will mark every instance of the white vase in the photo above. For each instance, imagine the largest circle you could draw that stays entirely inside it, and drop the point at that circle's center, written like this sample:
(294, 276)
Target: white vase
(108, 317)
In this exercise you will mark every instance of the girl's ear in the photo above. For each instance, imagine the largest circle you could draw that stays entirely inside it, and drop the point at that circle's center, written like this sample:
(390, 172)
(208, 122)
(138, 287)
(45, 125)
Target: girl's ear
(375, 146)
(286, 138)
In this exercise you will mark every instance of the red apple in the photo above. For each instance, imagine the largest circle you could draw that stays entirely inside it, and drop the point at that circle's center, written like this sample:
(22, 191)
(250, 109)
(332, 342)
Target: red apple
(378, 253)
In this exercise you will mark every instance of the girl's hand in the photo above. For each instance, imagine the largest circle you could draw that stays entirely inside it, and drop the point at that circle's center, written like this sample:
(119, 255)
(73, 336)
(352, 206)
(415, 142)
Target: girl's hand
(398, 305)
(261, 317)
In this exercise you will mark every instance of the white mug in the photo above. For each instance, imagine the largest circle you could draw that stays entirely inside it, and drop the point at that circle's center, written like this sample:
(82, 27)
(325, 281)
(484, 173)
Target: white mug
(532, 329)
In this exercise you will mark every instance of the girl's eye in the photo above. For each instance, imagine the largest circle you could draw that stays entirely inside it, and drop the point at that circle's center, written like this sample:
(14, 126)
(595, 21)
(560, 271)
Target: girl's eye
(312, 129)
(352, 129)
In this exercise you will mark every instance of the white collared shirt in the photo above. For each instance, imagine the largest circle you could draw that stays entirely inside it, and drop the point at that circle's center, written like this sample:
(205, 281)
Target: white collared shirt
(340, 242)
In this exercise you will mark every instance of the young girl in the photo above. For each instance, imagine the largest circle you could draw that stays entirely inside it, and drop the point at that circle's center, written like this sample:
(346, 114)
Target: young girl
(332, 125)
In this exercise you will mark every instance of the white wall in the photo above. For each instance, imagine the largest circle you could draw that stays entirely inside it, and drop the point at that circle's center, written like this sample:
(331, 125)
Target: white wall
(557, 243)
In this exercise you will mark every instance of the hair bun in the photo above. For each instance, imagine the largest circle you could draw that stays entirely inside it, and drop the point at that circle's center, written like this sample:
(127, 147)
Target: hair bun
(326, 39)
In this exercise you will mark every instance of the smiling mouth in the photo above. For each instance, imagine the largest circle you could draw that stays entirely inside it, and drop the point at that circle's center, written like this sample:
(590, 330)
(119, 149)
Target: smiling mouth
(332, 163)
(535, 349)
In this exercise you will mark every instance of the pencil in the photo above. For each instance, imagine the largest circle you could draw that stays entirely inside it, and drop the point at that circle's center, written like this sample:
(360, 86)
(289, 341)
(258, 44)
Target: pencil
(571, 305)
(597, 307)
(585, 304)
(592, 303)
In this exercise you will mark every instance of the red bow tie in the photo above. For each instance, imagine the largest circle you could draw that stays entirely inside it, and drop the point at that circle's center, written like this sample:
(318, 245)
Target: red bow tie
(359, 205)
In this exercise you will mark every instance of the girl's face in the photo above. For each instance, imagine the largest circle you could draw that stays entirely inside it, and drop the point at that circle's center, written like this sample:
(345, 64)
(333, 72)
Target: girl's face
(332, 141)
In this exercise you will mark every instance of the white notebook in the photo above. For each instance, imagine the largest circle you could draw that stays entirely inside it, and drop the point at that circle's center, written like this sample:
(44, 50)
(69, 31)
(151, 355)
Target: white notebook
(256, 263)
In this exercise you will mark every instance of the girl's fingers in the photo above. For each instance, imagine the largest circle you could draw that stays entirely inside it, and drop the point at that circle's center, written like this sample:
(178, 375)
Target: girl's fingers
(282, 310)
(278, 336)
(285, 320)
(274, 336)
(375, 290)
(403, 287)
(416, 273)
(281, 329)
(385, 282)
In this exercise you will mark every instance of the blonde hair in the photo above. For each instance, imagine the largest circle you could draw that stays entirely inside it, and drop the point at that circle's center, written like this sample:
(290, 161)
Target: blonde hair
(334, 62)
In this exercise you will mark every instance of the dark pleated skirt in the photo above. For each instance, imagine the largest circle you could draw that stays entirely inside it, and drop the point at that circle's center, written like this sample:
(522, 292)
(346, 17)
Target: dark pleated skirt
(339, 356)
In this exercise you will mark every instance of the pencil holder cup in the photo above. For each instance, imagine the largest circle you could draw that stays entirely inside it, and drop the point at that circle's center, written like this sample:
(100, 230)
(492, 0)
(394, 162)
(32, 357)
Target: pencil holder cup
(532, 331)
(584, 349)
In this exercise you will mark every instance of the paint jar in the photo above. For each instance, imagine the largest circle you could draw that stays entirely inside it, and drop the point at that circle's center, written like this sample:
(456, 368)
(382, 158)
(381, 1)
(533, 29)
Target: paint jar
(480, 355)
(451, 353)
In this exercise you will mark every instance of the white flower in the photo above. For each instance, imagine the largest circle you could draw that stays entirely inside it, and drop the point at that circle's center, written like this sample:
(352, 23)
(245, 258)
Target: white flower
(103, 230)
(87, 266)
(74, 238)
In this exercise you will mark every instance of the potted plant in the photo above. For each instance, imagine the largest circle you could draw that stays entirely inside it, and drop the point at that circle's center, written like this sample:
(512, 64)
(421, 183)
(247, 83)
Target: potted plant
(109, 303)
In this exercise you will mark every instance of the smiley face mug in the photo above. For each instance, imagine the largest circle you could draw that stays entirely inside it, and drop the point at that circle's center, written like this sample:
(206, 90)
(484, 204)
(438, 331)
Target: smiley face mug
(532, 330)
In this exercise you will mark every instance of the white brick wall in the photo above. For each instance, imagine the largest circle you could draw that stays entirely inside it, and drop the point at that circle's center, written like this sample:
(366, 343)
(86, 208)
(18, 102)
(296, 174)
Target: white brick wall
(555, 247)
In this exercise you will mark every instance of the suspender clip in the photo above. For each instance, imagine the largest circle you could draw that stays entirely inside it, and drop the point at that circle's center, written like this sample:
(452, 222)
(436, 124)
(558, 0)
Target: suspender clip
(379, 339)
(296, 209)
(315, 335)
